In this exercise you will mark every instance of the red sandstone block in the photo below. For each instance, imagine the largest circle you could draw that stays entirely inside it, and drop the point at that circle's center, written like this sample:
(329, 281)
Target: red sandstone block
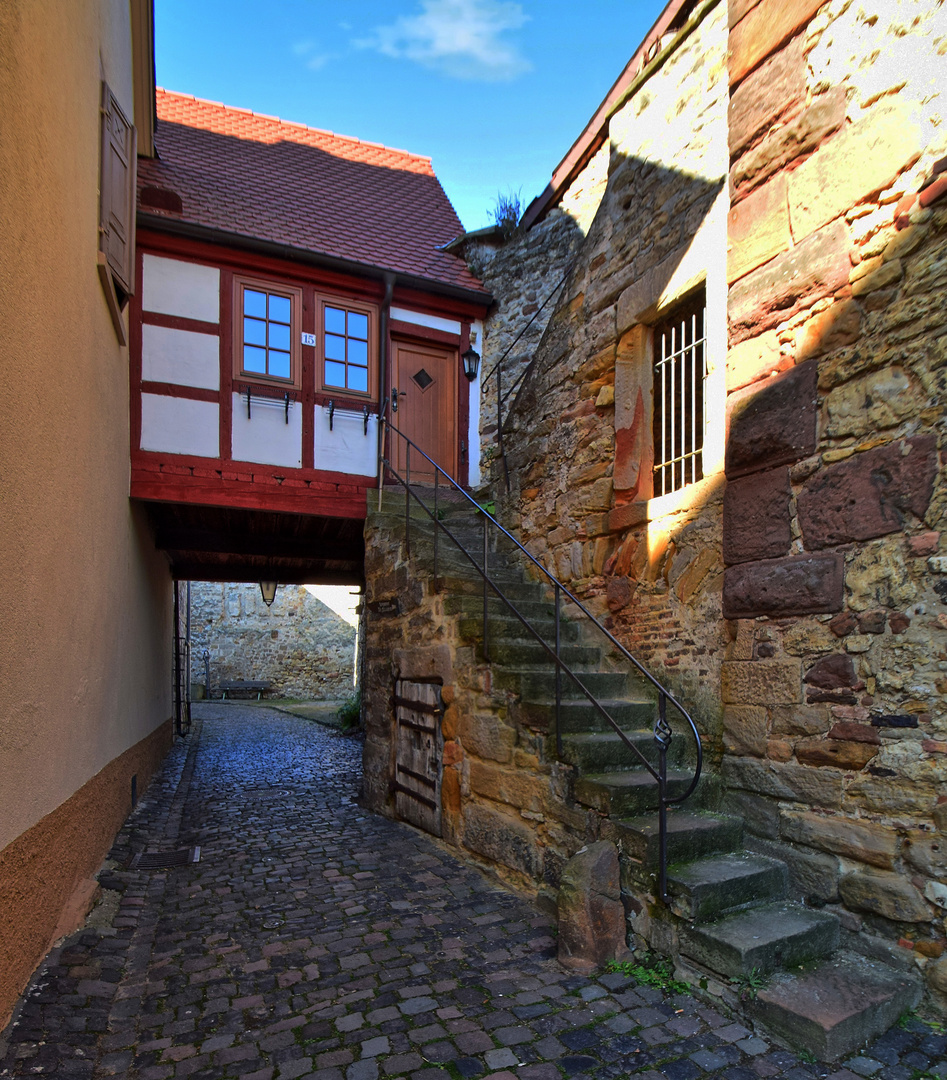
(868, 495)
(777, 88)
(758, 228)
(208, 474)
(763, 29)
(263, 478)
(245, 478)
(774, 424)
(291, 482)
(756, 517)
(929, 746)
(925, 544)
(798, 585)
(933, 191)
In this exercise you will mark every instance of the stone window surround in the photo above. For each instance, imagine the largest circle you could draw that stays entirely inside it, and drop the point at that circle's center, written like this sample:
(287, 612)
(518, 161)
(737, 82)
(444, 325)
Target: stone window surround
(701, 263)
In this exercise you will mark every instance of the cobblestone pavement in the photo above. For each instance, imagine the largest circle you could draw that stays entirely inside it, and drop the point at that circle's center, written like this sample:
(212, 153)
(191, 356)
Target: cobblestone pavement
(315, 940)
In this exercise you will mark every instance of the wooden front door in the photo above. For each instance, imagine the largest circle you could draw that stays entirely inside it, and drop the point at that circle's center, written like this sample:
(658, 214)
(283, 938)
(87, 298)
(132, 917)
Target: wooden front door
(425, 377)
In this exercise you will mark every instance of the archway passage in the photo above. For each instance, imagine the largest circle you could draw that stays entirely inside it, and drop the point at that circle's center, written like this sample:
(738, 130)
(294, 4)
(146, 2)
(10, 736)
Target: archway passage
(215, 543)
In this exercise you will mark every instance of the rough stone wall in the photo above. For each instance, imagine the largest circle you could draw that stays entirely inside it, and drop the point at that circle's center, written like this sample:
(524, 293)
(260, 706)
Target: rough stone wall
(834, 726)
(300, 645)
(658, 231)
(504, 799)
(522, 273)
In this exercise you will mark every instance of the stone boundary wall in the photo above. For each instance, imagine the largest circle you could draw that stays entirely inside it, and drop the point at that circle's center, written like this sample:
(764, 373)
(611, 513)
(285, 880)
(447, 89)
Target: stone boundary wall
(576, 433)
(298, 644)
(835, 732)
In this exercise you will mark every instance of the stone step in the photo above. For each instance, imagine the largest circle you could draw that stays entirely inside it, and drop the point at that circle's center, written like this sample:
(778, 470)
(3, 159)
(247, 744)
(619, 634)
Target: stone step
(691, 834)
(633, 791)
(466, 582)
(578, 716)
(529, 655)
(761, 939)
(834, 1007)
(542, 684)
(606, 751)
(710, 887)
(508, 627)
(468, 601)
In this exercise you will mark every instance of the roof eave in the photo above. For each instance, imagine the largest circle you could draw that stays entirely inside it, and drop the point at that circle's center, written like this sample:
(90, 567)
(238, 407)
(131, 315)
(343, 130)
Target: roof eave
(192, 231)
(596, 130)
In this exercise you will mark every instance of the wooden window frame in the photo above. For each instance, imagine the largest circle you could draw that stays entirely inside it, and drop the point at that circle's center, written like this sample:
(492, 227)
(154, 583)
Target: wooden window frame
(324, 300)
(118, 162)
(277, 288)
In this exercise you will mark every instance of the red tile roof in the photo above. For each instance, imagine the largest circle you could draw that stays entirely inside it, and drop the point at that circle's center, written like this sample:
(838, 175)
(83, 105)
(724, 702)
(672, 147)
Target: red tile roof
(257, 176)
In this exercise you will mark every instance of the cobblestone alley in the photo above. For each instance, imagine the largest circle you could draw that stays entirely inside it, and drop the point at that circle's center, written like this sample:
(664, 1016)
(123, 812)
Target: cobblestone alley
(315, 940)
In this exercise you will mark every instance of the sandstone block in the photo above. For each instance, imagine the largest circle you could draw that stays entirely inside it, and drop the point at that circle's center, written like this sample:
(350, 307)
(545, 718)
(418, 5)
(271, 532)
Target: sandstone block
(816, 267)
(772, 424)
(936, 975)
(760, 815)
(486, 737)
(837, 326)
(878, 400)
(776, 89)
(755, 360)
(692, 578)
(744, 729)
(591, 915)
(756, 517)
(512, 786)
(832, 672)
(796, 585)
(869, 494)
(761, 682)
(886, 274)
(425, 662)
(799, 719)
(826, 185)
(836, 754)
(758, 228)
(796, 783)
(864, 841)
(888, 794)
(763, 29)
(502, 839)
(850, 731)
(888, 895)
(795, 138)
(927, 852)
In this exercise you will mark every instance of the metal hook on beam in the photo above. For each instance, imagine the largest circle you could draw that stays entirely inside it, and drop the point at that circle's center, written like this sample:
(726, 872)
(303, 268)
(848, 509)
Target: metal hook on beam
(331, 413)
(365, 415)
(286, 400)
(248, 402)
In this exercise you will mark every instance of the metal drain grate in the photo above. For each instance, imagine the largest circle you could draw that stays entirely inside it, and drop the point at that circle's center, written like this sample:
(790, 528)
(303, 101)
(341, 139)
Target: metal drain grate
(165, 860)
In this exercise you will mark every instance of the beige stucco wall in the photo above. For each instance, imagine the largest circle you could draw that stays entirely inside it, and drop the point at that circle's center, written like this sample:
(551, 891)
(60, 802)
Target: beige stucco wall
(85, 625)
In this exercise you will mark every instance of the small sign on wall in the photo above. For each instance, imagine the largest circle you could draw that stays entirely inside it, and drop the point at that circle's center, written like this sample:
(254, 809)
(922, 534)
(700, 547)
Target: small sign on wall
(308, 339)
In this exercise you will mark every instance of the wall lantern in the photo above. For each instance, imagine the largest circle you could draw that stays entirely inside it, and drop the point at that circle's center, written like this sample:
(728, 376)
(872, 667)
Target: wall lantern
(471, 359)
(268, 589)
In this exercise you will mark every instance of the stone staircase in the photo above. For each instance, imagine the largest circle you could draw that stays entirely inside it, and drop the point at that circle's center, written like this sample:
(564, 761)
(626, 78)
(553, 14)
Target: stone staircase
(731, 927)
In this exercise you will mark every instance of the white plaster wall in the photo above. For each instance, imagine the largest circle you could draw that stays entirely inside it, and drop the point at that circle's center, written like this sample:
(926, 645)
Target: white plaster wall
(346, 448)
(185, 289)
(181, 357)
(180, 426)
(432, 322)
(266, 437)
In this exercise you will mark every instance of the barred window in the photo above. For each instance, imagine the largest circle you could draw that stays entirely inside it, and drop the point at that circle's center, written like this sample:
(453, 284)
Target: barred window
(680, 374)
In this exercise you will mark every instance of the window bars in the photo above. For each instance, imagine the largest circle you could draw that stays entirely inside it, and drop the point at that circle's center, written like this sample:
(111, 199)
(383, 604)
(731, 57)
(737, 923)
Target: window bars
(680, 375)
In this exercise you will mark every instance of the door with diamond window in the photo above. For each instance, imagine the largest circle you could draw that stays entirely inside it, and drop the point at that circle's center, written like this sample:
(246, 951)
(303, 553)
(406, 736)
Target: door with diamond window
(425, 379)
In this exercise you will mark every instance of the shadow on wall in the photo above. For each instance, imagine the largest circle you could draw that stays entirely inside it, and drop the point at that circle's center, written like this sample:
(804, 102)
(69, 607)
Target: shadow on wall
(299, 645)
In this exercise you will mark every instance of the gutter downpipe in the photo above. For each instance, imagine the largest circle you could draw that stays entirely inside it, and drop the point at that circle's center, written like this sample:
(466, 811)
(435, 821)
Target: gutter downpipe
(383, 356)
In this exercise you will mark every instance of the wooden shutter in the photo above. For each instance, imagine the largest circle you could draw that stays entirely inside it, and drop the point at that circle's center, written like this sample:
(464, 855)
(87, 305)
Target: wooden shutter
(117, 211)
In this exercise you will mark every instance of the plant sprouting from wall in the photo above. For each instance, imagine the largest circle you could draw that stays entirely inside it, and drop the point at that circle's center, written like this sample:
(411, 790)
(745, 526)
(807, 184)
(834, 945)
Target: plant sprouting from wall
(507, 211)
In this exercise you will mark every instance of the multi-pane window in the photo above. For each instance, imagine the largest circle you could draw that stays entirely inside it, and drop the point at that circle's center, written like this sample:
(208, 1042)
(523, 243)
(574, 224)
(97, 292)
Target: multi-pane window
(346, 337)
(680, 374)
(266, 332)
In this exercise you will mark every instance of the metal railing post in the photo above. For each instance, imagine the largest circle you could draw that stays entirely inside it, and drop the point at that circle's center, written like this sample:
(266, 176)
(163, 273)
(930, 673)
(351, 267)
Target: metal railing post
(486, 632)
(437, 532)
(558, 678)
(407, 500)
(663, 738)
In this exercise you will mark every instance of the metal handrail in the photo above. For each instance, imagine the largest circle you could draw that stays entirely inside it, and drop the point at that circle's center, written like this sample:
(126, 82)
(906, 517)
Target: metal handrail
(662, 729)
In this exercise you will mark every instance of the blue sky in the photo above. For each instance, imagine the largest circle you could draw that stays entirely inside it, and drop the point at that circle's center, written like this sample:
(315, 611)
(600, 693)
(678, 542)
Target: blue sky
(494, 91)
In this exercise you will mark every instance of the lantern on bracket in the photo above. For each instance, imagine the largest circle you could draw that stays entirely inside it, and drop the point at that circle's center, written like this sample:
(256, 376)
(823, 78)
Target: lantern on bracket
(268, 590)
(471, 361)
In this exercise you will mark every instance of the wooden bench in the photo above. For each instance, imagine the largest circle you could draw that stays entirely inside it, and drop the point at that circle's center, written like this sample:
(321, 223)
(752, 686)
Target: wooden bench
(250, 686)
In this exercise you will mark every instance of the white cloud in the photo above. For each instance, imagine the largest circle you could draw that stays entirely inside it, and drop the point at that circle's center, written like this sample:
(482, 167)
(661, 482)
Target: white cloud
(309, 52)
(461, 38)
